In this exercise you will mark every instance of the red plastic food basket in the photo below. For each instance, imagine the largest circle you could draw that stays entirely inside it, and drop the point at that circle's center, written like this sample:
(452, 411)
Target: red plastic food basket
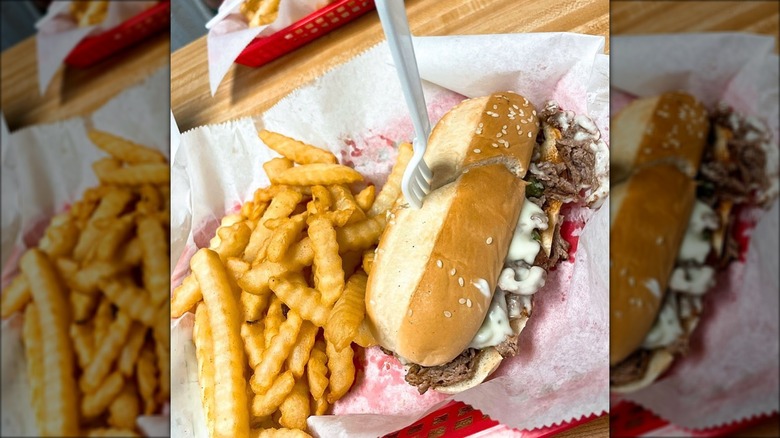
(265, 49)
(133, 30)
(459, 420)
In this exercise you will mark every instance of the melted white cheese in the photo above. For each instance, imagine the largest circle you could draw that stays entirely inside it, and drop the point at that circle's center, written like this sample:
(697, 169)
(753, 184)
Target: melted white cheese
(495, 328)
(696, 245)
(523, 281)
(695, 281)
(667, 327)
(523, 246)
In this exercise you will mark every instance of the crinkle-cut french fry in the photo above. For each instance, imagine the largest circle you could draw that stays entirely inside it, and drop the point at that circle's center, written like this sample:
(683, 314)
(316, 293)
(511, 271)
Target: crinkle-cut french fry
(83, 343)
(292, 290)
(299, 355)
(348, 312)
(317, 371)
(88, 12)
(83, 306)
(106, 353)
(111, 432)
(281, 206)
(274, 356)
(134, 301)
(110, 171)
(274, 166)
(254, 342)
(319, 406)
(273, 320)
(124, 150)
(146, 378)
(164, 366)
(264, 195)
(364, 338)
(156, 262)
(123, 411)
(95, 402)
(361, 235)
(131, 254)
(204, 352)
(266, 403)
(117, 234)
(278, 433)
(231, 408)
(318, 174)
(33, 349)
(185, 296)
(320, 202)
(339, 218)
(294, 150)
(342, 371)
(130, 351)
(60, 409)
(328, 274)
(368, 260)
(284, 236)
(253, 306)
(233, 240)
(87, 279)
(365, 198)
(104, 316)
(61, 236)
(151, 200)
(226, 222)
(392, 188)
(344, 200)
(256, 280)
(111, 205)
(15, 296)
(295, 408)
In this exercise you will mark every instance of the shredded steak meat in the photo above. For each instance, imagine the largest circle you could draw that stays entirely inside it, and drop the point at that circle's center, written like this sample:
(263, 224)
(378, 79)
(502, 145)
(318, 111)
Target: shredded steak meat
(459, 369)
(743, 176)
(630, 369)
(565, 180)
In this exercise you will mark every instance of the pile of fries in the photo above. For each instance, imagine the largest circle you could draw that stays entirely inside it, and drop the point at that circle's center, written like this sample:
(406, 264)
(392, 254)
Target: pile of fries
(279, 294)
(94, 294)
(88, 12)
(263, 12)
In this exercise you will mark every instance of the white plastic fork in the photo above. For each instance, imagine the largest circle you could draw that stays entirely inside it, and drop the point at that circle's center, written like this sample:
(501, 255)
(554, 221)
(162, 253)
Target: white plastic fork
(416, 182)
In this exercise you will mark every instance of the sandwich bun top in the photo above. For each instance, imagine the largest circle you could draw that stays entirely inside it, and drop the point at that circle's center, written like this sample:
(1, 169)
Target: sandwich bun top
(671, 127)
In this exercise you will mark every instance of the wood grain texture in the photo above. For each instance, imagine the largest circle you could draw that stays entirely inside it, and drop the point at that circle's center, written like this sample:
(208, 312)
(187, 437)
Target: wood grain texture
(246, 91)
(73, 92)
(647, 17)
(642, 17)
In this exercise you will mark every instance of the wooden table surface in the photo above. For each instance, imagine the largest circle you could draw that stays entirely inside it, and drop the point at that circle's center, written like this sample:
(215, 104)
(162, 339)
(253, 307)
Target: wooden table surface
(246, 91)
(72, 92)
(645, 17)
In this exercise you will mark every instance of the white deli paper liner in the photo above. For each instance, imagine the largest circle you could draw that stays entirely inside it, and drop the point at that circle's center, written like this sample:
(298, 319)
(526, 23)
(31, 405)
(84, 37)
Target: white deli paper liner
(228, 37)
(731, 372)
(357, 111)
(51, 166)
(59, 34)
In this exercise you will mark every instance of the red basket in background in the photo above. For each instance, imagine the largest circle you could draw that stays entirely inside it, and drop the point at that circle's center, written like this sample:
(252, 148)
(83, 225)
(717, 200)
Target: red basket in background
(265, 49)
(133, 30)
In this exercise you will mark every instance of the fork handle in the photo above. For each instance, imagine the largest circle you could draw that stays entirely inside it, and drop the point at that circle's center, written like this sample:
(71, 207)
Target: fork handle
(392, 14)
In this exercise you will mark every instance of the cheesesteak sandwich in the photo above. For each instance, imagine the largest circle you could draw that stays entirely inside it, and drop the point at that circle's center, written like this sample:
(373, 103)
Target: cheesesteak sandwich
(452, 283)
(683, 173)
